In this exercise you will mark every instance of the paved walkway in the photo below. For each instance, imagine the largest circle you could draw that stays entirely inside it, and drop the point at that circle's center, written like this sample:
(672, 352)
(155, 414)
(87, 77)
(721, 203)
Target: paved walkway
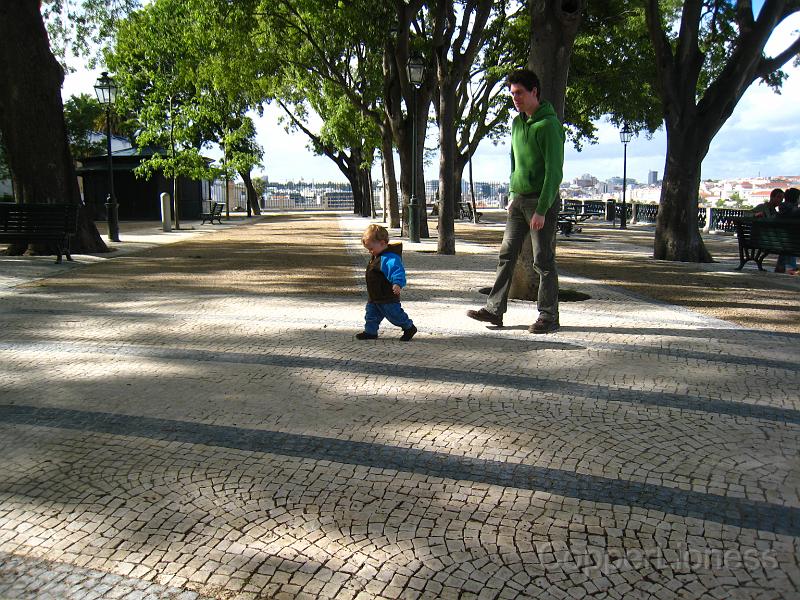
(197, 421)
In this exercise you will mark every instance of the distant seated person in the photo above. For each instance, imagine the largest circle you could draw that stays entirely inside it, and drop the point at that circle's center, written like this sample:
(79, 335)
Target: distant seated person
(788, 209)
(770, 207)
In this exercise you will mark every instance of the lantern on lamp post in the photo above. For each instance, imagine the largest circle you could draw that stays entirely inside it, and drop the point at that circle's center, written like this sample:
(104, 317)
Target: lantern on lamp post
(415, 69)
(625, 136)
(106, 91)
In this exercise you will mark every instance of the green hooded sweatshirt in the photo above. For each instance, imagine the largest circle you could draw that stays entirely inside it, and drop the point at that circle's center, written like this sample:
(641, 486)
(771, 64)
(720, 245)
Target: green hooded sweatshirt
(537, 155)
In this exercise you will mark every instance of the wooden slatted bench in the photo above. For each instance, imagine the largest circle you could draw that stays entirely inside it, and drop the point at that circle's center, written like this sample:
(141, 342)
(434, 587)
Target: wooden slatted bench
(465, 212)
(31, 223)
(759, 237)
(569, 220)
(215, 214)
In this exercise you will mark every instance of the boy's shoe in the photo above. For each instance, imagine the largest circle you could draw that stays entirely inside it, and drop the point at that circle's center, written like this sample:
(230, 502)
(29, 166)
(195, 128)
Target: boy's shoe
(366, 336)
(408, 334)
(485, 316)
(542, 326)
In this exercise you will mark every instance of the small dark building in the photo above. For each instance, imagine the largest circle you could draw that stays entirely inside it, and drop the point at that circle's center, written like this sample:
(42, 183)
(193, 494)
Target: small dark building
(138, 199)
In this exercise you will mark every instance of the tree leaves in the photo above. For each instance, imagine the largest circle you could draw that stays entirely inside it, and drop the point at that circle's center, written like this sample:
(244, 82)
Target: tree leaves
(170, 61)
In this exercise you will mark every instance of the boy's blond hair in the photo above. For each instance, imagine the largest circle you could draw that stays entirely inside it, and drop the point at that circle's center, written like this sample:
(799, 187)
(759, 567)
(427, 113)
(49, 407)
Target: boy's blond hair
(375, 233)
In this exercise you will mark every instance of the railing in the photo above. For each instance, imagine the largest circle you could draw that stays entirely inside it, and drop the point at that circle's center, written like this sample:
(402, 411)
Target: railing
(595, 207)
(702, 217)
(708, 218)
(338, 196)
(722, 219)
(237, 195)
(645, 213)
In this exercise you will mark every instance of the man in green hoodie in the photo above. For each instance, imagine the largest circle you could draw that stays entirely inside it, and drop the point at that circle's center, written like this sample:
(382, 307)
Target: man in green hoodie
(537, 162)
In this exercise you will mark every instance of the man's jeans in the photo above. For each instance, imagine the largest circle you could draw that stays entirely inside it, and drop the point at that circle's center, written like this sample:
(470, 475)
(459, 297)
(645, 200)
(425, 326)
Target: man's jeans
(543, 243)
(392, 311)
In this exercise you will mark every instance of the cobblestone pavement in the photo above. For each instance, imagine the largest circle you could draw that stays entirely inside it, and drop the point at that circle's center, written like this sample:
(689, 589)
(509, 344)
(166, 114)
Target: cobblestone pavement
(189, 429)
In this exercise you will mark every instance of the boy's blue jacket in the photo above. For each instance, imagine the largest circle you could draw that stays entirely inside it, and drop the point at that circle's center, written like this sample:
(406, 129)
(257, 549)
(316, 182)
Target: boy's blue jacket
(384, 271)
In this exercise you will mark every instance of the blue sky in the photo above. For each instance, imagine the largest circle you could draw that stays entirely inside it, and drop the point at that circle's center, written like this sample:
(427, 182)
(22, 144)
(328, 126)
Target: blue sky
(760, 138)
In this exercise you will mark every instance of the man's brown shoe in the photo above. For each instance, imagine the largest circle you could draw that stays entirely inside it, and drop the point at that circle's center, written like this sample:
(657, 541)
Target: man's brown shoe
(485, 316)
(542, 326)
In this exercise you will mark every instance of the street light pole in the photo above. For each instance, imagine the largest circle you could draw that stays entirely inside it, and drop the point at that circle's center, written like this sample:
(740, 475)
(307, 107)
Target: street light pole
(413, 211)
(415, 68)
(107, 93)
(625, 136)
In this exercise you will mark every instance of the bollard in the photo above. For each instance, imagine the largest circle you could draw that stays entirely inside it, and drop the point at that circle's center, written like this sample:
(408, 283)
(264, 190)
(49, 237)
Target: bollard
(166, 212)
(707, 226)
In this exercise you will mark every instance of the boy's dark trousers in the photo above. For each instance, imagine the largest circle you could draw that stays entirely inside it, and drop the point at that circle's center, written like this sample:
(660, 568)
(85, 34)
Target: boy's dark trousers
(392, 311)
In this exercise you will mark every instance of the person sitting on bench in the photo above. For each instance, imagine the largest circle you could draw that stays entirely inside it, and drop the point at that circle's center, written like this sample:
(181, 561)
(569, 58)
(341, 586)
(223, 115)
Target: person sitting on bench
(788, 209)
(770, 207)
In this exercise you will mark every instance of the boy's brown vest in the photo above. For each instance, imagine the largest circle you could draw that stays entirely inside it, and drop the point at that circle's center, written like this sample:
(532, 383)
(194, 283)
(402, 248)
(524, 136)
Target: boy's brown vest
(378, 287)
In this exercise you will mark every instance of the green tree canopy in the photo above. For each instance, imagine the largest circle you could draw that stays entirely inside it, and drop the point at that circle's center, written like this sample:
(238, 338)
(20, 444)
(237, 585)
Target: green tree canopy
(84, 115)
(81, 28)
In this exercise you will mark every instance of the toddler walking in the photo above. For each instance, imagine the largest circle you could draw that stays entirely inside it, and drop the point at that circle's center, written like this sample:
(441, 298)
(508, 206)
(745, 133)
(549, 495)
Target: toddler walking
(386, 277)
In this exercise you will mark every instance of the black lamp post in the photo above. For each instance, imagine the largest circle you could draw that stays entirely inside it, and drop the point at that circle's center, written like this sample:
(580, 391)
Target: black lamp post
(625, 136)
(415, 68)
(106, 92)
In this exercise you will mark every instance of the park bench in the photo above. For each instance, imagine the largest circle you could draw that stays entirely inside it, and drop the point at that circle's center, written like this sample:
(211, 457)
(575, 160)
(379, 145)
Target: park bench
(31, 223)
(215, 214)
(759, 237)
(465, 212)
(568, 221)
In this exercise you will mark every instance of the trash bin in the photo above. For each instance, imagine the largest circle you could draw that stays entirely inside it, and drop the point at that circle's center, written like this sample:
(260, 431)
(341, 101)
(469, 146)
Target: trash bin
(611, 210)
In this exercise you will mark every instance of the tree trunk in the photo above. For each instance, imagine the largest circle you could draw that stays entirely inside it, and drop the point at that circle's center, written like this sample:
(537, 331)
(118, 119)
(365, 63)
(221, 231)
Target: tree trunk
(366, 192)
(355, 187)
(418, 167)
(677, 235)
(32, 120)
(525, 281)
(372, 212)
(252, 195)
(404, 151)
(447, 150)
(405, 179)
(354, 177)
(422, 128)
(554, 25)
(453, 62)
(458, 179)
(389, 177)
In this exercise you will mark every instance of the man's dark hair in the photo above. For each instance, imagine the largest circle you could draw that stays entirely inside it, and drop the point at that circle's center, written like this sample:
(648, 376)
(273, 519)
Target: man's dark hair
(526, 78)
(791, 196)
(775, 192)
